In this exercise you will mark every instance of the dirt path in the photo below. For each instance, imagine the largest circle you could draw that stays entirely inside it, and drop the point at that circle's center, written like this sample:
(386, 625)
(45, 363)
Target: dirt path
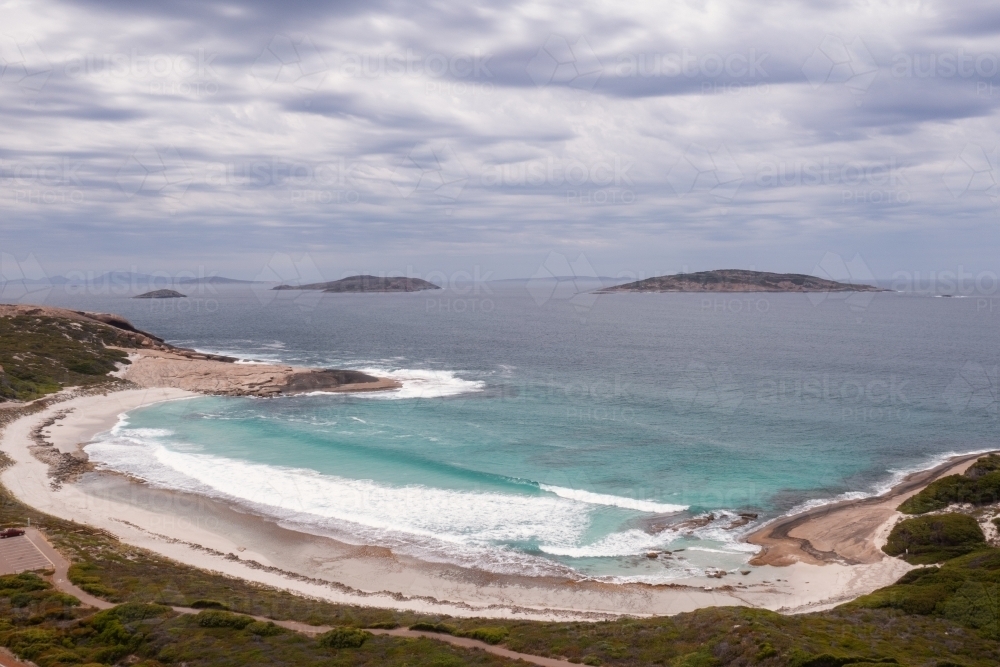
(60, 579)
(844, 532)
(7, 659)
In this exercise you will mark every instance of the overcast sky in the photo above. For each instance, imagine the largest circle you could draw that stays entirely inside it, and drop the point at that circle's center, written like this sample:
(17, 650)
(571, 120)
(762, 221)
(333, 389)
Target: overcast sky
(649, 137)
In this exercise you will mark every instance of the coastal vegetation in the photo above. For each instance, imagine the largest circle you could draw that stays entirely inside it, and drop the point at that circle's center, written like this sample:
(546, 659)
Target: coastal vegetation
(40, 354)
(50, 629)
(935, 538)
(979, 485)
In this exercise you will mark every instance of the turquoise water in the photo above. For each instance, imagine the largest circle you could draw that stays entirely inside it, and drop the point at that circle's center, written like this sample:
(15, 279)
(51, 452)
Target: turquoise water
(552, 438)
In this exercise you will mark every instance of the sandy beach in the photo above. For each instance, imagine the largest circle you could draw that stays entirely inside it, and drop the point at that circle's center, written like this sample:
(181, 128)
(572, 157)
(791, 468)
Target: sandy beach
(850, 532)
(209, 534)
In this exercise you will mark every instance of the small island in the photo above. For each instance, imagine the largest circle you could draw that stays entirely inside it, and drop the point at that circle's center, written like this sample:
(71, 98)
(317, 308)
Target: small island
(367, 284)
(738, 280)
(161, 294)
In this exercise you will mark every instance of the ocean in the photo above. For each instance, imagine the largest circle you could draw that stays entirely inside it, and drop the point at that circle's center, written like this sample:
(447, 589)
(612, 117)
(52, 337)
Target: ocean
(544, 432)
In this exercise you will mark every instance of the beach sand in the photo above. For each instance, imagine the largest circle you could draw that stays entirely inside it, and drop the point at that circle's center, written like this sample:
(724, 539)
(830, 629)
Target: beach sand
(851, 532)
(208, 534)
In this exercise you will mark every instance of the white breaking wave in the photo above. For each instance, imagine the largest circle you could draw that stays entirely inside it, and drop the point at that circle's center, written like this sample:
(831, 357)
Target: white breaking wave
(614, 501)
(423, 384)
(469, 528)
(283, 492)
(626, 543)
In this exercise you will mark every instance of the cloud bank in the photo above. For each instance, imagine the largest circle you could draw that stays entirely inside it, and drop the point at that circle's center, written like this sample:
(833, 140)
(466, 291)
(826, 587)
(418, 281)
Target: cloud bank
(376, 136)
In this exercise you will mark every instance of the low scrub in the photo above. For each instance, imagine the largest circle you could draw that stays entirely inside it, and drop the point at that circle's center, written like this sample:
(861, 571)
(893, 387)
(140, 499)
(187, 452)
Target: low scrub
(979, 485)
(965, 590)
(935, 538)
(150, 635)
(344, 638)
(214, 618)
(488, 634)
(40, 355)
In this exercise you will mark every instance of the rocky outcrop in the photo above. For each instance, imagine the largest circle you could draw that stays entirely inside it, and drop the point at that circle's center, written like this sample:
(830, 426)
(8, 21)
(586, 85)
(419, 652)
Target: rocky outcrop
(738, 280)
(367, 284)
(209, 374)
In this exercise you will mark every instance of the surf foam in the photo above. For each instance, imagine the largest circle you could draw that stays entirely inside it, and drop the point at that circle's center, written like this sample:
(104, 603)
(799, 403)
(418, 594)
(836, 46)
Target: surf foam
(423, 383)
(592, 498)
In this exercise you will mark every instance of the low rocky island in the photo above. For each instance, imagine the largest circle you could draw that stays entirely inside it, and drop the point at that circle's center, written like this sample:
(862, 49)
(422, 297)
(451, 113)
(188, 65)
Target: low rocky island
(738, 280)
(367, 284)
(161, 294)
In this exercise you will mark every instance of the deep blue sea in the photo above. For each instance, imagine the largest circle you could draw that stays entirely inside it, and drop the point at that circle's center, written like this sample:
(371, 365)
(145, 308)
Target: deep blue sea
(541, 432)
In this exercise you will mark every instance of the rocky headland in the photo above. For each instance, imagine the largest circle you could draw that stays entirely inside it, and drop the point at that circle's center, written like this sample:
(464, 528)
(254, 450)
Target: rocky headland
(45, 349)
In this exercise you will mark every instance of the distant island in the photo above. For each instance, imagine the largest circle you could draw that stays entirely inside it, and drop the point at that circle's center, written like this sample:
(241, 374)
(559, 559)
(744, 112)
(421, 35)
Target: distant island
(738, 280)
(367, 284)
(161, 294)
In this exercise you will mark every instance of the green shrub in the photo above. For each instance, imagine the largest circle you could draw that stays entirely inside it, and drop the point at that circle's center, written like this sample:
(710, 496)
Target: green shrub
(984, 466)
(213, 618)
(208, 604)
(933, 539)
(20, 600)
(344, 638)
(26, 581)
(490, 635)
(975, 605)
(443, 628)
(387, 625)
(131, 612)
(979, 485)
(262, 629)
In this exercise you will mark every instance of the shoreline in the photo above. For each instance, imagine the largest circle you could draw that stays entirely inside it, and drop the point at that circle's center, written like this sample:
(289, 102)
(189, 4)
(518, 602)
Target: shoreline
(848, 531)
(212, 535)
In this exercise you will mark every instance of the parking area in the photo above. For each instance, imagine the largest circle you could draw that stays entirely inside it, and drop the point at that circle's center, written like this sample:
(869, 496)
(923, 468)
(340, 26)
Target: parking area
(18, 554)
